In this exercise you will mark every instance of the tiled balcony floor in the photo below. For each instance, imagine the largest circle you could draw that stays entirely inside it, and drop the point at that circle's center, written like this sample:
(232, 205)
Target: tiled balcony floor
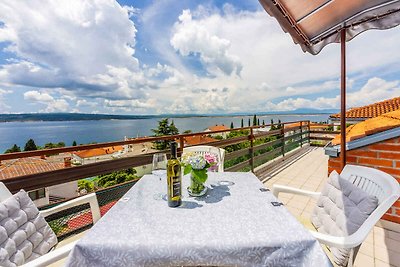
(382, 247)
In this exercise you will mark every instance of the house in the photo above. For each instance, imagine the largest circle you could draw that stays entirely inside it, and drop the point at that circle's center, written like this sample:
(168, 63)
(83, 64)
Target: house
(355, 115)
(373, 143)
(32, 165)
(97, 154)
(218, 128)
(198, 140)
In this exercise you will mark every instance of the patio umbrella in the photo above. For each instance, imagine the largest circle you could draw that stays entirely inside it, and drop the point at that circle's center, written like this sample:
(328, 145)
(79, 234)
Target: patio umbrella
(317, 23)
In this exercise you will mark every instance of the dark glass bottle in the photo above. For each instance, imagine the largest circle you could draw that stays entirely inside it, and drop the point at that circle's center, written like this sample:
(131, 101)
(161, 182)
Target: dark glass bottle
(174, 178)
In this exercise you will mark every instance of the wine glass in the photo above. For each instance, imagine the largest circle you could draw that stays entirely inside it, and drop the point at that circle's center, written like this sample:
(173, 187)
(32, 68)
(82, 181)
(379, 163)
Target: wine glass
(159, 164)
(159, 170)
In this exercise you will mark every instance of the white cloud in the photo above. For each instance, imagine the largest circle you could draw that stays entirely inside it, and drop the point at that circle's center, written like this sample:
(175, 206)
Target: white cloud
(68, 44)
(85, 103)
(3, 106)
(83, 53)
(193, 37)
(52, 104)
(375, 90)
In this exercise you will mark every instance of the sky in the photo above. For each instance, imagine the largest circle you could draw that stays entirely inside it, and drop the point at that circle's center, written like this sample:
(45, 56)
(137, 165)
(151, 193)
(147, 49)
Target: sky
(177, 57)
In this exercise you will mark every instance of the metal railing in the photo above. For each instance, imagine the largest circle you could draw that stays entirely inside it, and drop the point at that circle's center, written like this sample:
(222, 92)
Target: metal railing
(247, 149)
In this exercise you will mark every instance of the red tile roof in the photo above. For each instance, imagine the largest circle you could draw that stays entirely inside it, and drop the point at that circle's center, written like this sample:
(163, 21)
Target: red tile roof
(371, 126)
(218, 128)
(26, 166)
(95, 152)
(198, 139)
(373, 110)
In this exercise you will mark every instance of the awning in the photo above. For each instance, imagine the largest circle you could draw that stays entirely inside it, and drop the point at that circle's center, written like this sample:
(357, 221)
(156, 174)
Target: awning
(315, 23)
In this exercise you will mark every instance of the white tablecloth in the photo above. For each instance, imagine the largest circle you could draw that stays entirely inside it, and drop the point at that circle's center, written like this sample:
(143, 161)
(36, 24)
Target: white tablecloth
(232, 225)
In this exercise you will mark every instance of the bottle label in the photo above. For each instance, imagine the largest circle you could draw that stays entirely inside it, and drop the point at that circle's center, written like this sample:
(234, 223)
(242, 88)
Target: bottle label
(176, 187)
(175, 180)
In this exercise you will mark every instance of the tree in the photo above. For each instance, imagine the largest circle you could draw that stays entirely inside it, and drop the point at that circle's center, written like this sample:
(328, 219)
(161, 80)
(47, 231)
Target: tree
(164, 128)
(117, 177)
(263, 122)
(249, 122)
(242, 124)
(30, 145)
(254, 120)
(13, 149)
(187, 131)
(272, 125)
(258, 121)
(232, 125)
(74, 143)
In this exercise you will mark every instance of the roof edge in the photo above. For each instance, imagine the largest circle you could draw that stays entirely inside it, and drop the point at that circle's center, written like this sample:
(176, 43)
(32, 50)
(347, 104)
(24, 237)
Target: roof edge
(334, 151)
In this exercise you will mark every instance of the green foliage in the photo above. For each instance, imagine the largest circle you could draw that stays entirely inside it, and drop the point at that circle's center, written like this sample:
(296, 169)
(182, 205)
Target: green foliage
(30, 145)
(263, 123)
(187, 131)
(249, 122)
(13, 149)
(164, 128)
(219, 137)
(258, 121)
(232, 125)
(74, 143)
(254, 120)
(52, 145)
(241, 124)
(86, 185)
(117, 177)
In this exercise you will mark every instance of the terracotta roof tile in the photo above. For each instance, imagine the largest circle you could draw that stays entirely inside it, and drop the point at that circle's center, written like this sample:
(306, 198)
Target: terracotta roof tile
(26, 166)
(198, 139)
(373, 110)
(371, 126)
(95, 152)
(218, 128)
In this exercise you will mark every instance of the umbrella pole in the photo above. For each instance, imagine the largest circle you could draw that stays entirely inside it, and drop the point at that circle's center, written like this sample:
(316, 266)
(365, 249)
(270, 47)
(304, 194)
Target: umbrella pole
(343, 98)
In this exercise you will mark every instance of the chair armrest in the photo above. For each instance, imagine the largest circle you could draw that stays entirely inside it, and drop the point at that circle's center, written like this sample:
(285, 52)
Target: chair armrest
(350, 241)
(276, 189)
(52, 256)
(89, 198)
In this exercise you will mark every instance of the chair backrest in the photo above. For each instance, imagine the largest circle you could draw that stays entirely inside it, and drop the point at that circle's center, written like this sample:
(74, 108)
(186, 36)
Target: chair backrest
(4, 192)
(377, 183)
(219, 152)
(372, 181)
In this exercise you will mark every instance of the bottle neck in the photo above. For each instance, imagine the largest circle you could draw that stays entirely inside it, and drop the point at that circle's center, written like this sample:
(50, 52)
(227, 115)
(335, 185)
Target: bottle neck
(173, 151)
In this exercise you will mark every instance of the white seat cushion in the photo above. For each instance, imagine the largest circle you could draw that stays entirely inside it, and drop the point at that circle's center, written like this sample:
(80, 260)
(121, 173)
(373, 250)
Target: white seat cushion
(24, 233)
(341, 209)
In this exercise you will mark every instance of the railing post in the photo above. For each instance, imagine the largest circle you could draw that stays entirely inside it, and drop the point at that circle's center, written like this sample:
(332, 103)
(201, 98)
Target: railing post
(301, 133)
(251, 149)
(283, 139)
(181, 145)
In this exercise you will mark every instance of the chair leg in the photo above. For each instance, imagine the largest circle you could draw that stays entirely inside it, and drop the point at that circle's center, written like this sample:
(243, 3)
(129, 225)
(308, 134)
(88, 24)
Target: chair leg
(352, 257)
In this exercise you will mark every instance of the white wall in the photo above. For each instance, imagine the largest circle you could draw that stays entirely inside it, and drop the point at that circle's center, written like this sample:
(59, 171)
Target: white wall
(66, 190)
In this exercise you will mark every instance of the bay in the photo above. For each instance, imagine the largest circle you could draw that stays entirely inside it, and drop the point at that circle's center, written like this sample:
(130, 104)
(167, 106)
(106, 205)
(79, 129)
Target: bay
(84, 132)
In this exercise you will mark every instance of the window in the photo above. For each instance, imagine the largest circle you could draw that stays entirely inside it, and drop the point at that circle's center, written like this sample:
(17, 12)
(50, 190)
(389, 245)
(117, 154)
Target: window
(40, 193)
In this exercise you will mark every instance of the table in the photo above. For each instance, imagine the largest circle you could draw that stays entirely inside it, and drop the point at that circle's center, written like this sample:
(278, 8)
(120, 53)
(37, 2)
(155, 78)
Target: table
(234, 225)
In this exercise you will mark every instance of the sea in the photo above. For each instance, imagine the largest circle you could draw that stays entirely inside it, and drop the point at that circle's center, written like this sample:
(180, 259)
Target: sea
(84, 132)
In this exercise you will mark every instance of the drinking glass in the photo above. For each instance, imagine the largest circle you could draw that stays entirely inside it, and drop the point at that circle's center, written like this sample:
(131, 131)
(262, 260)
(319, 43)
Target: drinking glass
(159, 164)
(160, 170)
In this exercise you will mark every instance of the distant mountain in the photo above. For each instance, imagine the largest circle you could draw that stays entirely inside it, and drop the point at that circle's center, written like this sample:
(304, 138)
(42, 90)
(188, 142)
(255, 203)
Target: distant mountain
(82, 116)
(67, 117)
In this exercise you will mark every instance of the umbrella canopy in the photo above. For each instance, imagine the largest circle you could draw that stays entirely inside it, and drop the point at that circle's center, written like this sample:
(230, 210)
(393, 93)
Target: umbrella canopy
(314, 24)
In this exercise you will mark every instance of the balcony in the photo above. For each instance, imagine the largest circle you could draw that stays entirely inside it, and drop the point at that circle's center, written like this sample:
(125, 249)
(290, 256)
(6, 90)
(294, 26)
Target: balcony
(281, 156)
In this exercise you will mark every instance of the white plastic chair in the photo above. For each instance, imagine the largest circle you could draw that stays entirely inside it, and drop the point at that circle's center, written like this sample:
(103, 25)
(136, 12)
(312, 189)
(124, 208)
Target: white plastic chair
(372, 181)
(219, 152)
(62, 252)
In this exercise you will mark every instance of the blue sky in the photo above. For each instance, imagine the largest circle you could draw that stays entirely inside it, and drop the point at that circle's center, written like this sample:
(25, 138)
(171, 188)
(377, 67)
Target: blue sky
(165, 56)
